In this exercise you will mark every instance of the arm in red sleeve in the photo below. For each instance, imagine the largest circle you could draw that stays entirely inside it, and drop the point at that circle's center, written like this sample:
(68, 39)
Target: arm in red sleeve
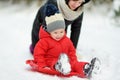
(39, 53)
(72, 54)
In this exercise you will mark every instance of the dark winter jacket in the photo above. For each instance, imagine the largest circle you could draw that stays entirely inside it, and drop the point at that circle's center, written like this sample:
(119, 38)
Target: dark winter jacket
(50, 8)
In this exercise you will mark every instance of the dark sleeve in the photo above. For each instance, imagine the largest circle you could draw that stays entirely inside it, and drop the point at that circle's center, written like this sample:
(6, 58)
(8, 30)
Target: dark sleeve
(86, 1)
(48, 9)
(40, 17)
(52, 2)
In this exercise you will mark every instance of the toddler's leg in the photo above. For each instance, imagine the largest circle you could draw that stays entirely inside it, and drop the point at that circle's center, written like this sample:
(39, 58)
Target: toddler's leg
(63, 65)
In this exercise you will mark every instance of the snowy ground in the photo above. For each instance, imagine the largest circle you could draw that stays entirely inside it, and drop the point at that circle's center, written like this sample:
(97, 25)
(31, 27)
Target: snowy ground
(98, 38)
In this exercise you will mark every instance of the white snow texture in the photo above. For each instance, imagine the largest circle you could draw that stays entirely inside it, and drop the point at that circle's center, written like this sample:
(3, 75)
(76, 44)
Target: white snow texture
(99, 38)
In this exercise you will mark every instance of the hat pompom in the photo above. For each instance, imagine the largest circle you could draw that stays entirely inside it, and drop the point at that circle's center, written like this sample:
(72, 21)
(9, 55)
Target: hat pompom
(51, 10)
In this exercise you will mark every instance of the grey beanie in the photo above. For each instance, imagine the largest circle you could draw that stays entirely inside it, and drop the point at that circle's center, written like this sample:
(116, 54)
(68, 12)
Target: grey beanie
(58, 24)
(54, 22)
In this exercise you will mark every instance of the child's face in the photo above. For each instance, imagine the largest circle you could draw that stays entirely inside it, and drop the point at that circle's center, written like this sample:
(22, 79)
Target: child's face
(57, 34)
(73, 4)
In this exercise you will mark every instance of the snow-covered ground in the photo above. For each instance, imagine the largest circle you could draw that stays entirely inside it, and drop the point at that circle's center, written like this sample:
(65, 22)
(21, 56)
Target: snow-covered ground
(98, 38)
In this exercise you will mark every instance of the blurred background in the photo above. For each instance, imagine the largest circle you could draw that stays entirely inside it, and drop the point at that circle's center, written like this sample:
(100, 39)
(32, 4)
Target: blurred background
(109, 7)
(99, 37)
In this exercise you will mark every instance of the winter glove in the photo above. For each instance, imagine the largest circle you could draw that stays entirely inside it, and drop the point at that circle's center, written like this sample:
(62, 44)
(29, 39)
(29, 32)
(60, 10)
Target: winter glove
(63, 65)
(51, 10)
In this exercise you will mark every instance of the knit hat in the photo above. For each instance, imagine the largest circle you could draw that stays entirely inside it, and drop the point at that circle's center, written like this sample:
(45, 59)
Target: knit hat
(55, 22)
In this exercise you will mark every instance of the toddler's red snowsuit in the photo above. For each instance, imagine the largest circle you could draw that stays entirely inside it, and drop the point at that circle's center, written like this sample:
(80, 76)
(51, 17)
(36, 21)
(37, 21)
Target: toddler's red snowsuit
(47, 51)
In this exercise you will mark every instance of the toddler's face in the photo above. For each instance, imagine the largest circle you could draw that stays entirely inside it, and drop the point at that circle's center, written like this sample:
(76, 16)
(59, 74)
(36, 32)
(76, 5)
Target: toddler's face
(57, 34)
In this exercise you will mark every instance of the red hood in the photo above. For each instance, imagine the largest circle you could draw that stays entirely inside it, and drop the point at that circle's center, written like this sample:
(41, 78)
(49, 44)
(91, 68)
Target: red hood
(43, 33)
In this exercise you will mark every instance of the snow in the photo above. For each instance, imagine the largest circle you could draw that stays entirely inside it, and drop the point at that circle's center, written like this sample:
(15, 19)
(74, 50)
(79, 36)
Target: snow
(98, 38)
(116, 4)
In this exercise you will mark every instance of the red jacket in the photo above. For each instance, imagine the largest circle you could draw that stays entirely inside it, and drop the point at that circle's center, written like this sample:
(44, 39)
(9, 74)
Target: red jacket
(47, 51)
